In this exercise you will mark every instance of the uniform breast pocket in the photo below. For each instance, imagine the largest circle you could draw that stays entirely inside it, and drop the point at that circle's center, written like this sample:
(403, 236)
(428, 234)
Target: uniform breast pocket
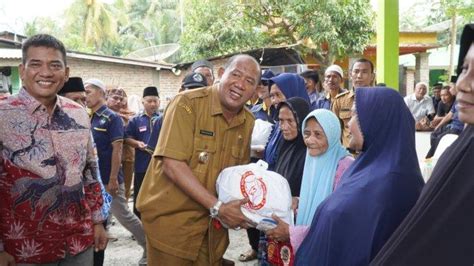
(237, 153)
(204, 153)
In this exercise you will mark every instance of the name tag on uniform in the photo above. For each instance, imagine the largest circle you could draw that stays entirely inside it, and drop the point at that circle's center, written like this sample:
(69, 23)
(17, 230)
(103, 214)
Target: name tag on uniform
(206, 133)
(142, 129)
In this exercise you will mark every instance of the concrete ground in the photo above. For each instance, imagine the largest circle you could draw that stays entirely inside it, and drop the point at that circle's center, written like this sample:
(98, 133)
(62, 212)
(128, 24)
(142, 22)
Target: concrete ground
(125, 251)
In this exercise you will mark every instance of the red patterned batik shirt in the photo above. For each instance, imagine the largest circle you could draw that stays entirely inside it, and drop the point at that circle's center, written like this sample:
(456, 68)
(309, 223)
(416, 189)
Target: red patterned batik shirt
(49, 194)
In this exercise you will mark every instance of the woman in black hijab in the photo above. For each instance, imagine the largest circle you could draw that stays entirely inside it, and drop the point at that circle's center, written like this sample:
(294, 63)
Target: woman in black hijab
(291, 154)
(292, 150)
(439, 230)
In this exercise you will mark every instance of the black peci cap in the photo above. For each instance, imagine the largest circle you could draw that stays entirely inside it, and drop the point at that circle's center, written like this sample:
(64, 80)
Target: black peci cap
(74, 84)
(150, 91)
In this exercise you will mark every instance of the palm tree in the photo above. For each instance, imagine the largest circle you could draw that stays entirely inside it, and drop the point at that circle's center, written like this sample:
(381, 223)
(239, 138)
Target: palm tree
(93, 21)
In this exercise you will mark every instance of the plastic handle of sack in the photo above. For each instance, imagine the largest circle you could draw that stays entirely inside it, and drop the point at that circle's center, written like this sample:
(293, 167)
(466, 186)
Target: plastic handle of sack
(262, 164)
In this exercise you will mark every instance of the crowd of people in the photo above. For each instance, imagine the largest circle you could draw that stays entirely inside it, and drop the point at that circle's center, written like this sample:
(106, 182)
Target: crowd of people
(70, 151)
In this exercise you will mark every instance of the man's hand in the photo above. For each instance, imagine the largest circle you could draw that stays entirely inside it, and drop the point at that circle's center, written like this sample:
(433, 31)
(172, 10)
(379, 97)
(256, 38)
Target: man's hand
(113, 186)
(100, 237)
(141, 145)
(231, 215)
(281, 232)
(6, 259)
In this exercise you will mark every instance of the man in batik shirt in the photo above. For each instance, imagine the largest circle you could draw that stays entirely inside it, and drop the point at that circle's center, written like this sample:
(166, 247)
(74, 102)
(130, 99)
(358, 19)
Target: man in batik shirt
(50, 199)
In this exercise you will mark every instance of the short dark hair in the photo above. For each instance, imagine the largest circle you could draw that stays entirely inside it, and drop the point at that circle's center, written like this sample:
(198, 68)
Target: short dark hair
(43, 40)
(438, 86)
(363, 60)
(311, 74)
(446, 88)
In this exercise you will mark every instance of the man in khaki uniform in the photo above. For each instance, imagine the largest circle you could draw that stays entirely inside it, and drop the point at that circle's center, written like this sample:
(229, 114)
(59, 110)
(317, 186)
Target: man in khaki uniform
(362, 75)
(204, 131)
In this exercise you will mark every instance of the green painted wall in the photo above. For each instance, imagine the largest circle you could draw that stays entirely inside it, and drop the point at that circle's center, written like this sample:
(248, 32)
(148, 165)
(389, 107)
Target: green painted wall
(387, 43)
(15, 79)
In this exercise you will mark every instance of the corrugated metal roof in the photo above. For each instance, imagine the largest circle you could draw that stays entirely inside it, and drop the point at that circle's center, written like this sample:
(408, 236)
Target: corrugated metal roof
(7, 53)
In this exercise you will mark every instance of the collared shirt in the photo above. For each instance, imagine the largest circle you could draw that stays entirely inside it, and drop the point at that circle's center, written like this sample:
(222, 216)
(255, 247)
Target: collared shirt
(140, 128)
(419, 109)
(107, 127)
(194, 131)
(50, 196)
(260, 111)
(342, 106)
(313, 98)
(325, 101)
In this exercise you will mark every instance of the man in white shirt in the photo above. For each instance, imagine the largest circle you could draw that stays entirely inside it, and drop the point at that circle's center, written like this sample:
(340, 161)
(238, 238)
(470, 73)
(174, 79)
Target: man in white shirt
(421, 106)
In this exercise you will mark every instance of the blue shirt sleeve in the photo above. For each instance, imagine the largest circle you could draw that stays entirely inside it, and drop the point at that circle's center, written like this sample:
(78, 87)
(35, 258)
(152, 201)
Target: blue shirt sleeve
(116, 129)
(155, 134)
(453, 108)
(131, 130)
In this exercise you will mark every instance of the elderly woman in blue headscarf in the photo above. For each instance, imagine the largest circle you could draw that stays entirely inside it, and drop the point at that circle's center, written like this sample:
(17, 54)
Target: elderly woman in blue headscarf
(285, 86)
(325, 162)
(376, 192)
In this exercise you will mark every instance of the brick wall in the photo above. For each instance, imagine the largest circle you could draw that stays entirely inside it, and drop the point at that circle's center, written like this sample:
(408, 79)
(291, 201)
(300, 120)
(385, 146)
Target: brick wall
(133, 79)
(169, 82)
(410, 81)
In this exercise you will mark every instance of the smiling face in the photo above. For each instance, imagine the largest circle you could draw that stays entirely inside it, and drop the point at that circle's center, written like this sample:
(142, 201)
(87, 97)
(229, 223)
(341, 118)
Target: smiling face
(238, 84)
(288, 124)
(276, 95)
(315, 138)
(465, 88)
(44, 72)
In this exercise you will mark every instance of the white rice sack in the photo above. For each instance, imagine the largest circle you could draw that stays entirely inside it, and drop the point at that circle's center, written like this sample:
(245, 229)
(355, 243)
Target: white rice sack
(260, 134)
(268, 192)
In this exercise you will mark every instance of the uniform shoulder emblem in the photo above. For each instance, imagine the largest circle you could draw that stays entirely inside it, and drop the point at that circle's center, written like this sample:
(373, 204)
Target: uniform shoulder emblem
(197, 93)
(342, 94)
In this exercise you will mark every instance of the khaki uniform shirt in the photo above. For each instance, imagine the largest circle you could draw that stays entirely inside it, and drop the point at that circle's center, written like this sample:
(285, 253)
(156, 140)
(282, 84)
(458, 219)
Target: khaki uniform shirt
(193, 127)
(128, 152)
(342, 106)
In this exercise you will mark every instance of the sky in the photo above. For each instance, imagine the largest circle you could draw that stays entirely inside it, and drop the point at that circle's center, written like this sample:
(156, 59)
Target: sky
(15, 13)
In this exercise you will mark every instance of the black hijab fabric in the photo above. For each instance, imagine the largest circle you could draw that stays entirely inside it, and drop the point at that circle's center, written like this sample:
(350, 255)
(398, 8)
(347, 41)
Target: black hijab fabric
(292, 154)
(439, 230)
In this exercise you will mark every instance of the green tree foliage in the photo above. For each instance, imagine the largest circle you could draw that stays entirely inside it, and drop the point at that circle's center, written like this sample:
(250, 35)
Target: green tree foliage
(43, 25)
(153, 22)
(113, 29)
(215, 27)
(325, 29)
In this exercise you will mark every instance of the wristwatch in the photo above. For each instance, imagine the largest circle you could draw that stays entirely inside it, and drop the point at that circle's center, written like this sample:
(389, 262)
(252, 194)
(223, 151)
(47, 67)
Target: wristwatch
(214, 210)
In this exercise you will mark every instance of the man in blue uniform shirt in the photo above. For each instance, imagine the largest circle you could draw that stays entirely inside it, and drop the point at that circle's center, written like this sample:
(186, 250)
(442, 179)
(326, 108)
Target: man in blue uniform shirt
(108, 132)
(138, 134)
